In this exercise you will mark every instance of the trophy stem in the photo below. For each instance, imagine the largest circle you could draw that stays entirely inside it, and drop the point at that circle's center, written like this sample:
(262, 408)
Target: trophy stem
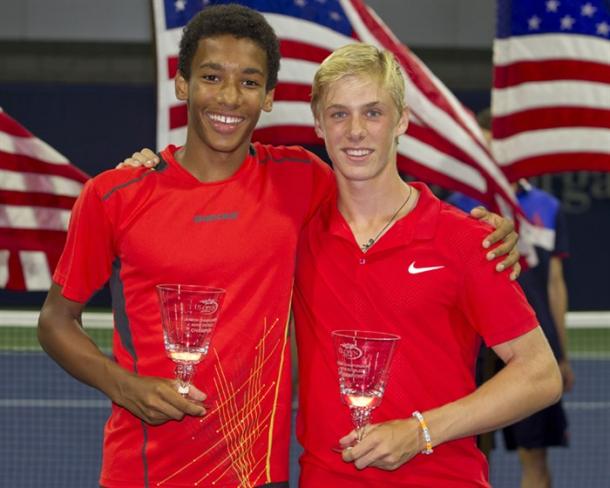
(360, 416)
(184, 373)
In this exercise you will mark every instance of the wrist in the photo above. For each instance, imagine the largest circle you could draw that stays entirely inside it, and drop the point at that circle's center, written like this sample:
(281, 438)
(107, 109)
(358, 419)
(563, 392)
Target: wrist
(118, 383)
(425, 438)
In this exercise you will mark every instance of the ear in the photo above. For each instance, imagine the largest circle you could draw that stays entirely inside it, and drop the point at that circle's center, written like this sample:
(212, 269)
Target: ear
(318, 127)
(403, 122)
(181, 86)
(268, 101)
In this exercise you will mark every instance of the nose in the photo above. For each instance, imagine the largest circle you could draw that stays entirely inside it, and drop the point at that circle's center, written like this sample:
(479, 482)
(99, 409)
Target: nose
(229, 93)
(357, 128)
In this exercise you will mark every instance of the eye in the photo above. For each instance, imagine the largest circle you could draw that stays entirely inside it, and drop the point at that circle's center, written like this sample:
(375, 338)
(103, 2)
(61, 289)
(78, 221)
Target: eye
(251, 83)
(211, 78)
(338, 114)
(373, 113)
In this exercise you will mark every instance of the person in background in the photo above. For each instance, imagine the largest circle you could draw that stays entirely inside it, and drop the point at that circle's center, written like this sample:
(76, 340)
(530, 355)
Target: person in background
(545, 288)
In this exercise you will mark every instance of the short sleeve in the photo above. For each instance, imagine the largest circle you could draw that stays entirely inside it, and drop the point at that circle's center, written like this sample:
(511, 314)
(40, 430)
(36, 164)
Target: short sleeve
(494, 305)
(86, 261)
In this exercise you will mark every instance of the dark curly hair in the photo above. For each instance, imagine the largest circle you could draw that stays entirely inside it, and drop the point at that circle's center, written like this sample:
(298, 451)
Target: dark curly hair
(235, 20)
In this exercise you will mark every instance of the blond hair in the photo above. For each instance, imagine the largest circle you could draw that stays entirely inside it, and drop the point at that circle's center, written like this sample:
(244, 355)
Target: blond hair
(359, 60)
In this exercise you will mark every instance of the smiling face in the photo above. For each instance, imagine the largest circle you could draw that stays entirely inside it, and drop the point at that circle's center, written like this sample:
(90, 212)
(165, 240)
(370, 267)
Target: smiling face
(225, 94)
(359, 123)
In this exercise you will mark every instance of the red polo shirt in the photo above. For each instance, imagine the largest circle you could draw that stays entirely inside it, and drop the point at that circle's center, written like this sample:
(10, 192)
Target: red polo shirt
(427, 280)
(143, 227)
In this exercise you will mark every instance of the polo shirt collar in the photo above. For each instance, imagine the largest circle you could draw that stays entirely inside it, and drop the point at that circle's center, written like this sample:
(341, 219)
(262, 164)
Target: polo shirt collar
(419, 223)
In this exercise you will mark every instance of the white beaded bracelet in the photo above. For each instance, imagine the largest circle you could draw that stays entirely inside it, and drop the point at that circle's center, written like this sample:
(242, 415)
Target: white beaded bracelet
(425, 431)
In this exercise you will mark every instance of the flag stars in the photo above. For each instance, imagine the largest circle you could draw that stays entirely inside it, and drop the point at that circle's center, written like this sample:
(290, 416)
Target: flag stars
(534, 22)
(180, 5)
(552, 5)
(567, 22)
(300, 3)
(603, 28)
(588, 10)
(336, 16)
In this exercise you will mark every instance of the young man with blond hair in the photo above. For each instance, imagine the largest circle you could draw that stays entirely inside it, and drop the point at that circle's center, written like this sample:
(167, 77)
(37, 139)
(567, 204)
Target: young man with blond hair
(388, 256)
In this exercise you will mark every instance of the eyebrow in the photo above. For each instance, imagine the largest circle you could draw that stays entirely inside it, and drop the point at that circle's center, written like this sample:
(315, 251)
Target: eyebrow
(218, 67)
(367, 105)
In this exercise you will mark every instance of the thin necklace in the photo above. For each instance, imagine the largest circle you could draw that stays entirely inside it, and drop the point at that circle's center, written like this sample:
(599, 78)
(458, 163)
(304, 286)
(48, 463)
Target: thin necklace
(368, 244)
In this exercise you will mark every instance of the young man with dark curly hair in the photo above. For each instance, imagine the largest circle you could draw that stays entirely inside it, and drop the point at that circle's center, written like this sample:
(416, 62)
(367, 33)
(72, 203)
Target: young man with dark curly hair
(217, 211)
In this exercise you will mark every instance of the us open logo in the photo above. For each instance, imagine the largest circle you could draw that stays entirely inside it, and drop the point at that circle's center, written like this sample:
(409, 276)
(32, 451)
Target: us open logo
(350, 351)
(207, 307)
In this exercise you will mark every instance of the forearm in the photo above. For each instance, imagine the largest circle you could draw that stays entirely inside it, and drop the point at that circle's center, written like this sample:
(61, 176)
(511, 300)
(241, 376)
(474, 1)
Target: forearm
(152, 399)
(62, 337)
(526, 384)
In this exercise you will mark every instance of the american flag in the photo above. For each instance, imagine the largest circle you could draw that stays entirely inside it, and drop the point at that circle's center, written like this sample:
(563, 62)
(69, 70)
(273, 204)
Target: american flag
(443, 144)
(38, 187)
(551, 95)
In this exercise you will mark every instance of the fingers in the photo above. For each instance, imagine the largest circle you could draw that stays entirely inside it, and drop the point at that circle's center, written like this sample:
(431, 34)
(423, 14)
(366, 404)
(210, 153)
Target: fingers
(350, 439)
(503, 226)
(516, 271)
(366, 459)
(146, 157)
(184, 405)
(149, 155)
(479, 212)
(510, 261)
(195, 394)
(156, 400)
(378, 450)
(505, 234)
(507, 248)
(357, 453)
(504, 231)
(161, 412)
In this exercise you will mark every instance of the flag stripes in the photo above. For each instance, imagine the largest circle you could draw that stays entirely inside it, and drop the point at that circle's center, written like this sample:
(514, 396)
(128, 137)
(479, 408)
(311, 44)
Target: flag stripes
(38, 187)
(551, 90)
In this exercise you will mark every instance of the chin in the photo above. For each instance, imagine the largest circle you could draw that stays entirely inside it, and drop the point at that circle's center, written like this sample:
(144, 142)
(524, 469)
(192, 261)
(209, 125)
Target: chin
(222, 144)
(356, 175)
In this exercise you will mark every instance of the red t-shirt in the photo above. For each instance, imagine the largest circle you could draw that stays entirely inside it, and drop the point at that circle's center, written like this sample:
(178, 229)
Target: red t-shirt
(440, 313)
(143, 227)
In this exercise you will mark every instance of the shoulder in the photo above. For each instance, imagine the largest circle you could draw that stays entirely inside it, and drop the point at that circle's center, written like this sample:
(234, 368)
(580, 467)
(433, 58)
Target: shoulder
(291, 155)
(452, 217)
(112, 181)
(460, 230)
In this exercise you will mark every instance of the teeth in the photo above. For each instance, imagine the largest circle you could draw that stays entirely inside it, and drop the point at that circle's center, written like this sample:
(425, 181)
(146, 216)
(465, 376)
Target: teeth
(225, 119)
(358, 152)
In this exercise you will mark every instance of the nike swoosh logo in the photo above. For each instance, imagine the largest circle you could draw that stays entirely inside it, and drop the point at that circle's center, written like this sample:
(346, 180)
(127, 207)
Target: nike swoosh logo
(415, 270)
